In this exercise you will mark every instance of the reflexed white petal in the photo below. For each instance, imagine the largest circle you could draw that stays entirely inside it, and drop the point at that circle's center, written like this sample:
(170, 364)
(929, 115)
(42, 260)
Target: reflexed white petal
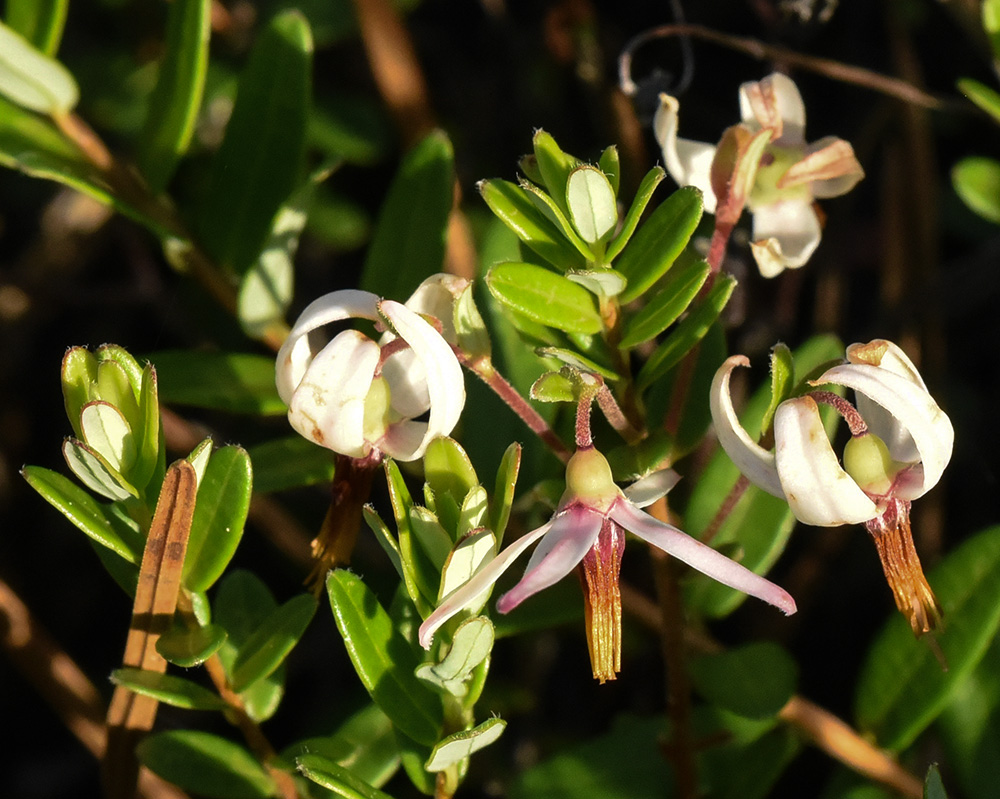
(403, 440)
(784, 94)
(699, 556)
(294, 356)
(436, 297)
(471, 592)
(328, 406)
(839, 171)
(650, 488)
(750, 458)
(688, 162)
(445, 383)
(914, 409)
(886, 355)
(574, 531)
(785, 235)
(818, 490)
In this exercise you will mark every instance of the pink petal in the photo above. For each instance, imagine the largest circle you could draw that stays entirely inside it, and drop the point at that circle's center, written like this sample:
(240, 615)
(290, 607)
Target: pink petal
(829, 166)
(471, 593)
(750, 458)
(775, 103)
(574, 532)
(699, 556)
(818, 490)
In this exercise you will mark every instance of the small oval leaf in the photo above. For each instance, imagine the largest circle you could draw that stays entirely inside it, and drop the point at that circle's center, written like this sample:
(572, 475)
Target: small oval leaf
(591, 202)
(545, 297)
(32, 79)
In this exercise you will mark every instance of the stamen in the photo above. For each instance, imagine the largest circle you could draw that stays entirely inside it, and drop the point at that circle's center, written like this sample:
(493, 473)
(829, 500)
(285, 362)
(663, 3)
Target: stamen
(599, 571)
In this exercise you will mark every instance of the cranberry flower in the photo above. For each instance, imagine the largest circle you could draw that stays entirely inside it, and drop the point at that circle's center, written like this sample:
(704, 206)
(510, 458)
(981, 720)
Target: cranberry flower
(784, 182)
(901, 442)
(588, 531)
(359, 397)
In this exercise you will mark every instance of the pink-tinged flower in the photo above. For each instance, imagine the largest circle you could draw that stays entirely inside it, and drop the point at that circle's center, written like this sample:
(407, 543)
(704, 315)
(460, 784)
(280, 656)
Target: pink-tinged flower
(588, 531)
(788, 174)
(901, 442)
(357, 396)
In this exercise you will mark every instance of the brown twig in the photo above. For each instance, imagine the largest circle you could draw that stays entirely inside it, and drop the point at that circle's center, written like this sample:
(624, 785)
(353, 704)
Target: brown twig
(131, 715)
(836, 70)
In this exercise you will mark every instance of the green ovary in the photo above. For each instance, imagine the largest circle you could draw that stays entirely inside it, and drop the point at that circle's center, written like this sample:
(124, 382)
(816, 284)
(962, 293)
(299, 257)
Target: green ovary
(867, 460)
(588, 478)
(378, 410)
(765, 189)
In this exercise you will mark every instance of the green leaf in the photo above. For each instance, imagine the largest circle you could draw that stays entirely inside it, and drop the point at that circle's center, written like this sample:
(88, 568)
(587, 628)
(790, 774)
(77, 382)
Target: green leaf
(649, 183)
(224, 381)
(336, 778)
(460, 745)
(167, 688)
(933, 786)
(625, 763)
(174, 103)
(554, 166)
(448, 470)
(408, 243)
(219, 516)
(41, 22)
(545, 297)
(759, 524)
(206, 764)
(94, 471)
(610, 165)
(383, 659)
(350, 127)
(148, 430)
(190, 647)
(603, 282)
(365, 744)
(656, 245)
(242, 603)
(514, 206)
(902, 687)
(579, 362)
(678, 292)
(289, 462)
(434, 541)
(503, 492)
(258, 164)
(982, 95)
(593, 208)
(78, 376)
(84, 512)
(688, 333)
(272, 641)
(471, 645)
(782, 380)
(402, 503)
(32, 79)
(977, 182)
(754, 681)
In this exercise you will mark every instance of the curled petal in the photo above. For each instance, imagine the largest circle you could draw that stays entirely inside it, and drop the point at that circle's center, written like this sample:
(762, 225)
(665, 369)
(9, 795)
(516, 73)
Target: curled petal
(775, 103)
(294, 356)
(750, 458)
(914, 409)
(328, 405)
(818, 490)
(829, 166)
(436, 297)
(887, 355)
(688, 162)
(441, 370)
(785, 235)
(471, 593)
(405, 373)
(699, 556)
(646, 490)
(574, 531)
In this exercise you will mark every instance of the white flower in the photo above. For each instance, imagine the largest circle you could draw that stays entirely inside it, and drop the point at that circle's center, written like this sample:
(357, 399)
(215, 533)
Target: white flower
(588, 530)
(901, 443)
(789, 175)
(357, 396)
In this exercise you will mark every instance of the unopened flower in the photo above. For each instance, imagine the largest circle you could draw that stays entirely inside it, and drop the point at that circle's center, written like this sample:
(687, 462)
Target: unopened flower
(357, 396)
(901, 442)
(588, 531)
(786, 176)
